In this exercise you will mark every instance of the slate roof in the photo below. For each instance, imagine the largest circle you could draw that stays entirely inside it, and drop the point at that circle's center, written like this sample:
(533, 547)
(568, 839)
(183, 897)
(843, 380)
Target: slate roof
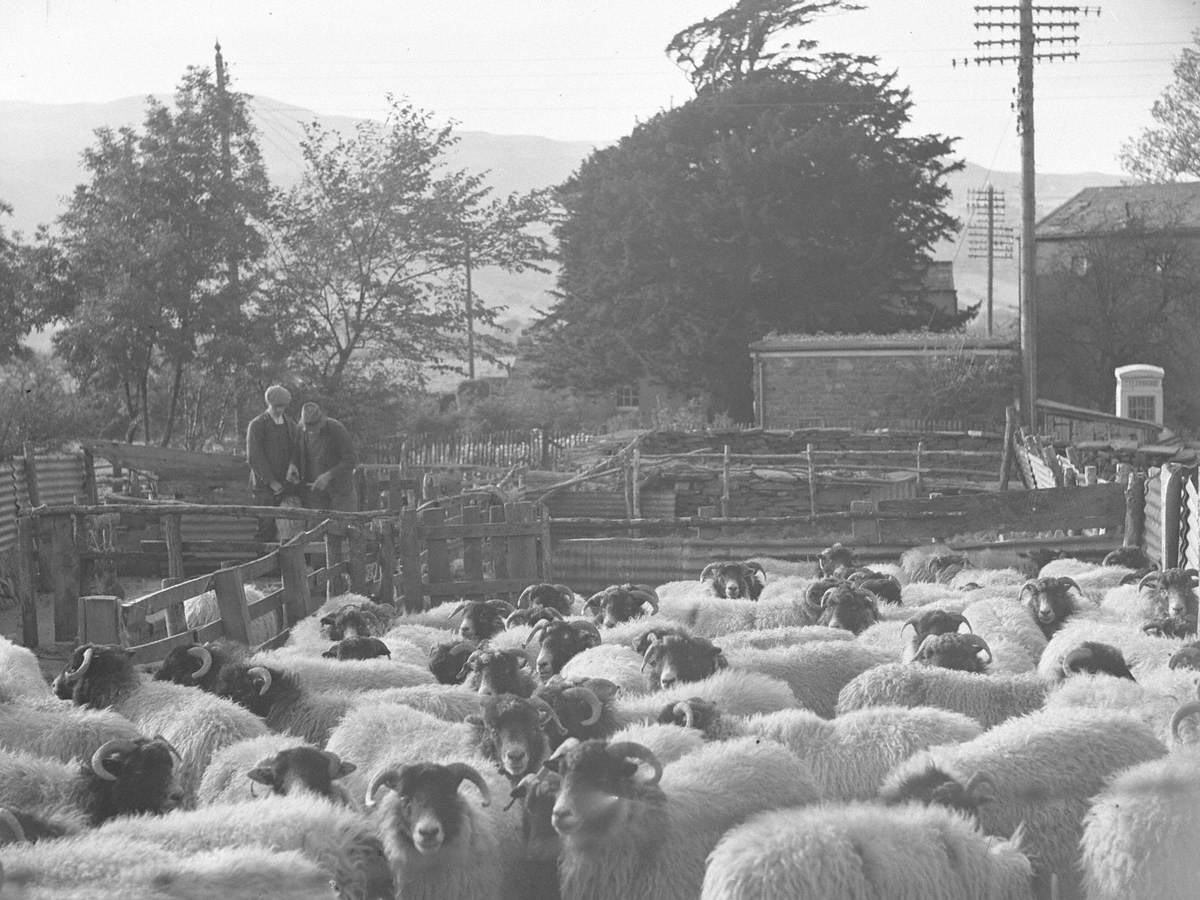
(1171, 207)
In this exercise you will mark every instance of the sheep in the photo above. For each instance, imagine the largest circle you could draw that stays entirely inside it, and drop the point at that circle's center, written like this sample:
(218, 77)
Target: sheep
(886, 588)
(560, 641)
(446, 661)
(1174, 595)
(49, 823)
(198, 665)
(282, 764)
(620, 603)
(362, 619)
(283, 703)
(989, 699)
(1143, 652)
(337, 838)
(437, 843)
(735, 580)
(932, 563)
(535, 874)
(862, 852)
(640, 838)
(1186, 657)
(1128, 558)
(1152, 700)
(788, 635)
(518, 733)
(490, 671)
(954, 651)
(675, 658)
(531, 615)
(1091, 578)
(1041, 770)
(20, 674)
(452, 703)
(930, 622)
(612, 662)
(197, 724)
(331, 675)
(849, 607)
(120, 778)
(836, 559)
(585, 708)
(1095, 658)
(1015, 637)
(1050, 602)
(733, 689)
(354, 648)
(815, 672)
(481, 619)
(1139, 835)
(59, 730)
(558, 597)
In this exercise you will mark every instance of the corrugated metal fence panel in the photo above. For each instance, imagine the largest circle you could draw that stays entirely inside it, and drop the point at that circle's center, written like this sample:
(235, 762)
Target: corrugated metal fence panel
(1189, 553)
(60, 479)
(1173, 480)
(217, 528)
(568, 504)
(1152, 536)
(12, 496)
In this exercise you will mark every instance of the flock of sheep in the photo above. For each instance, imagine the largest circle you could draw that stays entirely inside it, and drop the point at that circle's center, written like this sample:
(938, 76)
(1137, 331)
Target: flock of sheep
(770, 730)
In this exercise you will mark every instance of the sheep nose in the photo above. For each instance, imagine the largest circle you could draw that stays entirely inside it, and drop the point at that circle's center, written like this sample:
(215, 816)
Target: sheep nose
(667, 682)
(428, 832)
(516, 761)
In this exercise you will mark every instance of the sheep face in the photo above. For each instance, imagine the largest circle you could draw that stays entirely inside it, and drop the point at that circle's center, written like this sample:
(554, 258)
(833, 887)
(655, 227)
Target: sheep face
(498, 672)
(676, 659)
(834, 558)
(933, 785)
(482, 619)
(94, 675)
(552, 596)
(1094, 658)
(954, 651)
(446, 661)
(560, 642)
(695, 712)
(425, 812)
(599, 786)
(885, 587)
(584, 708)
(515, 733)
(1050, 601)
(734, 580)
(1174, 592)
(620, 603)
(301, 770)
(935, 621)
(357, 648)
(356, 620)
(845, 606)
(130, 777)
(194, 666)
(257, 688)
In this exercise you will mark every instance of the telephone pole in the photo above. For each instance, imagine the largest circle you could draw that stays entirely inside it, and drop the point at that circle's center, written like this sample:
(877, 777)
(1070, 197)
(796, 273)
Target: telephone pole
(1035, 26)
(990, 240)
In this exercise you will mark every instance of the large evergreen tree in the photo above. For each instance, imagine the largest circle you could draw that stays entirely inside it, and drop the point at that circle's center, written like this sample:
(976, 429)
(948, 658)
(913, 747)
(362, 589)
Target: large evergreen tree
(783, 197)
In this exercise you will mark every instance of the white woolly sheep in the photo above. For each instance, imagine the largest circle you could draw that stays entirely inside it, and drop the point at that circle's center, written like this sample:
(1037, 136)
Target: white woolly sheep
(1041, 771)
(331, 675)
(196, 723)
(782, 636)
(1143, 652)
(1011, 632)
(647, 838)
(815, 672)
(989, 699)
(59, 730)
(275, 764)
(20, 674)
(1153, 699)
(452, 702)
(862, 852)
(668, 742)
(1093, 579)
(283, 702)
(612, 662)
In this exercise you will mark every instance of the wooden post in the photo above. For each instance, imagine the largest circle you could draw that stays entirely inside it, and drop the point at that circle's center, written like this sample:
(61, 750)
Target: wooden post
(335, 552)
(25, 587)
(387, 562)
(297, 597)
(172, 532)
(100, 620)
(1091, 475)
(231, 600)
(90, 494)
(812, 481)
(31, 479)
(920, 475)
(1124, 471)
(545, 559)
(411, 588)
(87, 565)
(1006, 451)
(64, 577)
(637, 474)
(725, 481)
(626, 475)
(357, 540)
(1135, 510)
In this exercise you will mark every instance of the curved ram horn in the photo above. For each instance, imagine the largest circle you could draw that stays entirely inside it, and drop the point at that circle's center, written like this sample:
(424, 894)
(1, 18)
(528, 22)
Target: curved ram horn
(387, 778)
(910, 621)
(596, 600)
(159, 739)
(684, 708)
(1073, 658)
(1191, 708)
(960, 619)
(205, 656)
(982, 787)
(566, 593)
(263, 674)
(9, 821)
(465, 772)
(977, 641)
(454, 612)
(563, 748)
(921, 647)
(539, 625)
(1070, 582)
(1146, 579)
(509, 622)
(757, 572)
(708, 570)
(631, 750)
(84, 665)
(501, 605)
(1028, 587)
(652, 650)
(588, 696)
(117, 745)
(523, 600)
(647, 596)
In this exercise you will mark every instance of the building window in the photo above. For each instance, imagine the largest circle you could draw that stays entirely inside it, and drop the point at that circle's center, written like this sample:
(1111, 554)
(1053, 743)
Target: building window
(1079, 264)
(1142, 409)
(627, 396)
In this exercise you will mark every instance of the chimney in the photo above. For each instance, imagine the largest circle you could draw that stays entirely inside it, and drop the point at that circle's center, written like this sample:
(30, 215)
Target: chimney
(1140, 393)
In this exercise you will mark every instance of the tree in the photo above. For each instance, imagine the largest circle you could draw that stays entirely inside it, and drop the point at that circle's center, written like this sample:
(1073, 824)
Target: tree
(779, 199)
(370, 251)
(1171, 148)
(140, 272)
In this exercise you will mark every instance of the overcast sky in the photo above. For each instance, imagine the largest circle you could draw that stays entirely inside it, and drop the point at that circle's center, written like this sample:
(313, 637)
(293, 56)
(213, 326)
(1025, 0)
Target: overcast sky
(577, 70)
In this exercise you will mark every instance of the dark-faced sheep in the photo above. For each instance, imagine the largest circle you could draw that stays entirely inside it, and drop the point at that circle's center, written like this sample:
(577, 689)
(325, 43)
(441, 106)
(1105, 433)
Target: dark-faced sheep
(619, 603)
(560, 642)
(936, 563)
(350, 648)
(198, 665)
(446, 661)
(283, 703)
(584, 707)
(954, 651)
(845, 606)
(358, 620)
(481, 619)
(885, 587)
(1095, 658)
(735, 580)
(518, 733)
(836, 559)
(531, 615)
(1033, 560)
(927, 622)
(1174, 595)
(553, 596)
(491, 671)
(675, 659)
(1050, 601)
(1186, 657)
(303, 770)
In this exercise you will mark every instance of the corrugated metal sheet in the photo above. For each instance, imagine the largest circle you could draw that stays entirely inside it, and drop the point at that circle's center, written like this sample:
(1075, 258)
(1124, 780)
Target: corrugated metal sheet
(1152, 537)
(567, 504)
(217, 528)
(1189, 554)
(12, 496)
(60, 479)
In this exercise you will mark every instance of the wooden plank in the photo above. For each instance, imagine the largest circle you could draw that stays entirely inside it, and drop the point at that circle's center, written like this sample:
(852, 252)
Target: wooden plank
(86, 564)
(522, 550)
(272, 604)
(335, 560)
(357, 559)
(412, 595)
(479, 530)
(472, 552)
(492, 587)
(64, 578)
(231, 600)
(916, 521)
(865, 530)
(171, 528)
(386, 591)
(274, 643)
(156, 651)
(174, 594)
(437, 555)
(545, 558)
(293, 569)
(99, 619)
(24, 586)
(498, 546)
(1173, 481)
(170, 463)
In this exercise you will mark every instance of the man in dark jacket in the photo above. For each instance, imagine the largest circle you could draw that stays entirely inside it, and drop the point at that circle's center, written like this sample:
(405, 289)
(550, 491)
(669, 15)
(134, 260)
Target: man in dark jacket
(327, 460)
(273, 451)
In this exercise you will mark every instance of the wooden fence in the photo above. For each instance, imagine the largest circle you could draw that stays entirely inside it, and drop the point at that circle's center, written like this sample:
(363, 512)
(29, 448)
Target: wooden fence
(536, 448)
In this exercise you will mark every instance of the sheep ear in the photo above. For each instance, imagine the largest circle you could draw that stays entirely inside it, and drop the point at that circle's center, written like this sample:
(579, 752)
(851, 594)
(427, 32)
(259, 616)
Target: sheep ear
(263, 775)
(343, 769)
(719, 659)
(475, 720)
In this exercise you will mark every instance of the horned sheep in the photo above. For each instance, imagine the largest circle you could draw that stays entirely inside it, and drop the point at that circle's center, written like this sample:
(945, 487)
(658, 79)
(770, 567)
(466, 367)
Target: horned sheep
(862, 852)
(735, 580)
(283, 702)
(278, 764)
(59, 730)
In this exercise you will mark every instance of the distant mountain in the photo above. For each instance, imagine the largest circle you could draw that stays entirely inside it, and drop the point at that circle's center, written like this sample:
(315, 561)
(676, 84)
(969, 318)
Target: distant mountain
(41, 144)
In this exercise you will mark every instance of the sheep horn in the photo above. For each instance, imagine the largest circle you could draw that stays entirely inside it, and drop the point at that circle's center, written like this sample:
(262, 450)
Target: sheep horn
(14, 827)
(961, 620)
(387, 778)
(159, 739)
(976, 641)
(978, 780)
(205, 656)
(910, 621)
(596, 600)
(708, 570)
(501, 605)
(1030, 586)
(525, 595)
(463, 771)
(684, 708)
(84, 665)
(454, 612)
(510, 621)
(1146, 579)
(651, 650)
(1073, 658)
(561, 751)
(117, 745)
(1190, 708)
(540, 625)
(263, 673)
(631, 750)
(921, 648)
(647, 597)
(1070, 582)
(589, 697)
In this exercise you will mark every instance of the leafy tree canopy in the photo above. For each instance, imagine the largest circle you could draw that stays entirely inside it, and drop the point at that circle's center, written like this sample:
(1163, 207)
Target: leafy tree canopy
(779, 200)
(1170, 148)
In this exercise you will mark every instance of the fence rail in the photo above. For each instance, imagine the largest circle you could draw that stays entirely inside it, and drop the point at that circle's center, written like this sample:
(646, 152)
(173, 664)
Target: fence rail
(535, 448)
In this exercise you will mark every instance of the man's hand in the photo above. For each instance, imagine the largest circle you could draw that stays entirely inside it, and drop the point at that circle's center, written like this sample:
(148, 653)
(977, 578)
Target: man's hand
(293, 474)
(276, 488)
(321, 482)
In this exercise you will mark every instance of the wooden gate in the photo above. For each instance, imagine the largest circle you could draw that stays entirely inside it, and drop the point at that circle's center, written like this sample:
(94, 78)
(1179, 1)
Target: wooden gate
(500, 550)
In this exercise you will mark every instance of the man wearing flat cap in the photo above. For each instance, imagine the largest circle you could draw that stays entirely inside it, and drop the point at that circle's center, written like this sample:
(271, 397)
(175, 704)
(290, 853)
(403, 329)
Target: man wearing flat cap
(273, 451)
(327, 460)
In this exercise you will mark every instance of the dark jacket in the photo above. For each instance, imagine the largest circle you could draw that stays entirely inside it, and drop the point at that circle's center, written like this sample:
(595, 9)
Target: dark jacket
(329, 449)
(270, 449)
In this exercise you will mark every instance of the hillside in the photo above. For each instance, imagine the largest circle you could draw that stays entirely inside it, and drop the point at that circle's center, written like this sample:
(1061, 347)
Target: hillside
(40, 147)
